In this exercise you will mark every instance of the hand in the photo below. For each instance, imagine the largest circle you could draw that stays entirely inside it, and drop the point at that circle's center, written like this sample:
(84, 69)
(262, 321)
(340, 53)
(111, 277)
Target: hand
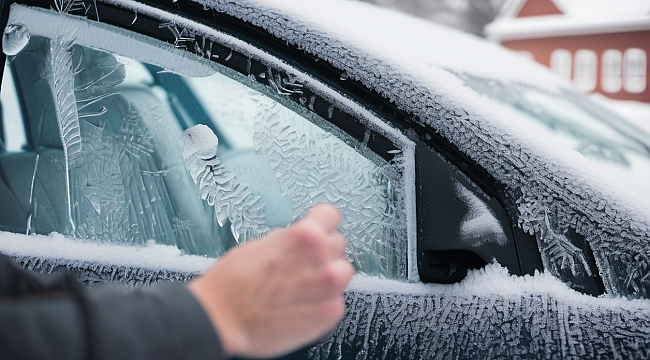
(274, 295)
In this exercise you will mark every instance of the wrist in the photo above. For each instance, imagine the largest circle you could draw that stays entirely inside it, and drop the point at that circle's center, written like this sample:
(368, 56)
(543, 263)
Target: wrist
(233, 339)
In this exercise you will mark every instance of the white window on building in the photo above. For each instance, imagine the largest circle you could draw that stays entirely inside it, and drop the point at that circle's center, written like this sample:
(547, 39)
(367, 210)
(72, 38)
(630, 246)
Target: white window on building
(561, 63)
(634, 70)
(584, 76)
(612, 69)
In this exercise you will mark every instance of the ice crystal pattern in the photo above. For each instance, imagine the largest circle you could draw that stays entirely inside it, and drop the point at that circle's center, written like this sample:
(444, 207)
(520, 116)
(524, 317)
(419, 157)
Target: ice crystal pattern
(468, 322)
(232, 200)
(617, 235)
(312, 170)
(90, 273)
(62, 83)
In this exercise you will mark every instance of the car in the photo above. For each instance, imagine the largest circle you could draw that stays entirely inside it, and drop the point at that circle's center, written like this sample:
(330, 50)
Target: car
(490, 210)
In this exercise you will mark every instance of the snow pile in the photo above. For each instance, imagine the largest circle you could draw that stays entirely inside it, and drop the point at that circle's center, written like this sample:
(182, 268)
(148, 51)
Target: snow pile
(102, 262)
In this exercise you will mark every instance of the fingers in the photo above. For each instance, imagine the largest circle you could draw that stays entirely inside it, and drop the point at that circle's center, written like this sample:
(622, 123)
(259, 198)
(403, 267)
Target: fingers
(327, 283)
(343, 271)
(324, 215)
(337, 245)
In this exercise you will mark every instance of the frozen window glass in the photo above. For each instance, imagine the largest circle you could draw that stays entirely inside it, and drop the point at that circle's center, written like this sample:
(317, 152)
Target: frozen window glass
(117, 157)
(584, 76)
(635, 64)
(612, 69)
(561, 63)
(292, 164)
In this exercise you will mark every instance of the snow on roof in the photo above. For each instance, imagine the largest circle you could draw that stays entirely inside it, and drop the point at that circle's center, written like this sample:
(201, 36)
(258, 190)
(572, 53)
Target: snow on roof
(579, 17)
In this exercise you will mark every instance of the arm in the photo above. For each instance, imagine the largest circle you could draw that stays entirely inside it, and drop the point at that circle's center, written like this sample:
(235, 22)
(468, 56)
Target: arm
(52, 317)
(266, 298)
(271, 296)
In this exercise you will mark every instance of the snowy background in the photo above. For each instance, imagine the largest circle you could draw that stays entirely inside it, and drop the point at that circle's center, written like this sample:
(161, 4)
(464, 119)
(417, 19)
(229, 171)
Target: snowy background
(473, 15)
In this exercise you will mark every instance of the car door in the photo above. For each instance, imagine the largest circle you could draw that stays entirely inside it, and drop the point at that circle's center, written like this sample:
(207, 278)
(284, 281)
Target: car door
(104, 99)
(119, 173)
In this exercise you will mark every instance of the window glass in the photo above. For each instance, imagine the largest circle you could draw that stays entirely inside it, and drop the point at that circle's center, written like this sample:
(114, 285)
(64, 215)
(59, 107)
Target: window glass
(635, 70)
(561, 63)
(612, 69)
(110, 162)
(585, 70)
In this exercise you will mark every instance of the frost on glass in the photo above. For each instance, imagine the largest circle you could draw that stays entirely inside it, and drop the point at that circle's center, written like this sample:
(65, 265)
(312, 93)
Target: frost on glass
(314, 166)
(232, 200)
(118, 157)
(63, 87)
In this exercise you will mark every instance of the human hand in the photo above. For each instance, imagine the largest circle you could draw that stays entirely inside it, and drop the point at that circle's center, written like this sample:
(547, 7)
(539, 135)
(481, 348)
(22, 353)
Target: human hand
(273, 295)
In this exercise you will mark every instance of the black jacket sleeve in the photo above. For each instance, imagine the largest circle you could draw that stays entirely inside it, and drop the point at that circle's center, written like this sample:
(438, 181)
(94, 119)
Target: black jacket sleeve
(53, 317)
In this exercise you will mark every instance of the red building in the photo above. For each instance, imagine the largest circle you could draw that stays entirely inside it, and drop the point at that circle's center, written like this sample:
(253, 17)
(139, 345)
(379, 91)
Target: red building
(601, 45)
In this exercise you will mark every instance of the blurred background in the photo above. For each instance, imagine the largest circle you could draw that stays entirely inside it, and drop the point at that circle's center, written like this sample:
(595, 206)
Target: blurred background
(601, 46)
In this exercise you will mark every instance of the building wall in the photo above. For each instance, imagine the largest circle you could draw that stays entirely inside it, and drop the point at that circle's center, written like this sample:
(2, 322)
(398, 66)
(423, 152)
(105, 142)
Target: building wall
(541, 50)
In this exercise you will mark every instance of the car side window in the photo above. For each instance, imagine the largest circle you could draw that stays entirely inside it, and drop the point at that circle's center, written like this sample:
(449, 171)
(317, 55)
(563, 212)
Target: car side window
(106, 161)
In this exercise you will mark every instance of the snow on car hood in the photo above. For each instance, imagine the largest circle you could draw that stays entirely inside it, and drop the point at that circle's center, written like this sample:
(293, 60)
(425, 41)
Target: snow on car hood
(404, 59)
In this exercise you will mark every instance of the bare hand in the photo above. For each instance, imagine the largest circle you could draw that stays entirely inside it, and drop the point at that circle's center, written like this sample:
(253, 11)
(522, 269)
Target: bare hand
(274, 295)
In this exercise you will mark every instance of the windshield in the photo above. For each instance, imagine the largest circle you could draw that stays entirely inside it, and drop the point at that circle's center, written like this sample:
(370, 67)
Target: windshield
(579, 123)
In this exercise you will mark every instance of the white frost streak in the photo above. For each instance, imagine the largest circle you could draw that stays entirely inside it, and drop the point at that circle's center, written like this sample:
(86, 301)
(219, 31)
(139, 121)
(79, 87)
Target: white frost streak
(66, 108)
(219, 187)
(480, 224)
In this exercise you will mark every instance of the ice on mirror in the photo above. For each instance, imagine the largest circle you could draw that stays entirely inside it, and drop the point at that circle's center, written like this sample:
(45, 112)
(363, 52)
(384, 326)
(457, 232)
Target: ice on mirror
(235, 202)
(14, 38)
